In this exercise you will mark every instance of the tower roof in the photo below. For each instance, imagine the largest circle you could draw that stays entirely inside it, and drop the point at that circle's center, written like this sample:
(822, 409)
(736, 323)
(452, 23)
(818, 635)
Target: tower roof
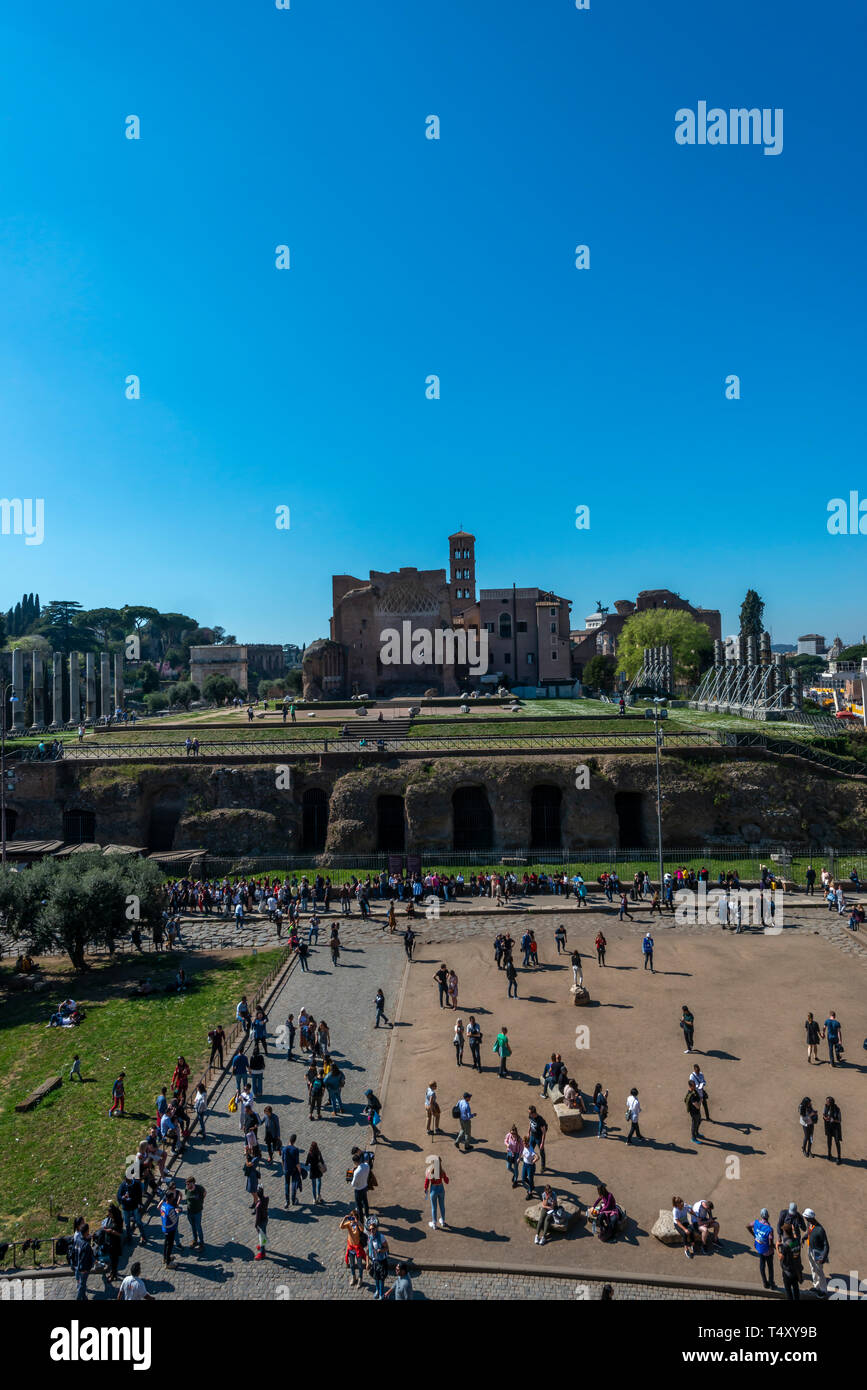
(461, 535)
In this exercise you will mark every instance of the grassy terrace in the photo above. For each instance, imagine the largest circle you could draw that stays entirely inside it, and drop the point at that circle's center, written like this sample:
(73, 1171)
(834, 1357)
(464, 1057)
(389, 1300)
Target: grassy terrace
(67, 1148)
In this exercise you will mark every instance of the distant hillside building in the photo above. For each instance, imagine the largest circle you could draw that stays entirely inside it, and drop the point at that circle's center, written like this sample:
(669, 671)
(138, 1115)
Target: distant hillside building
(602, 628)
(528, 631)
(811, 644)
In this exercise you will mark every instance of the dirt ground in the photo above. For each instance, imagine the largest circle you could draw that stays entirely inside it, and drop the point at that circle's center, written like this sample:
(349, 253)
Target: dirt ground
(750, 996)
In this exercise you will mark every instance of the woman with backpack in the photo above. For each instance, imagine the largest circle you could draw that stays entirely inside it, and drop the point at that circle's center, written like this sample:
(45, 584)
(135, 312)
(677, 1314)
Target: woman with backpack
(808, 1118)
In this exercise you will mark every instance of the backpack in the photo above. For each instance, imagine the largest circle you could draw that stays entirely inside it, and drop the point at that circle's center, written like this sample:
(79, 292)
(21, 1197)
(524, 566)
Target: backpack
(456, 1111)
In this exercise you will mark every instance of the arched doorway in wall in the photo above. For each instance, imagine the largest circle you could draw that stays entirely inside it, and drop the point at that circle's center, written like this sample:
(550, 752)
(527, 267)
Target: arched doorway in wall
(390, 823)
(545, 832)
(630, 819)
(473, 822)
(314, 820)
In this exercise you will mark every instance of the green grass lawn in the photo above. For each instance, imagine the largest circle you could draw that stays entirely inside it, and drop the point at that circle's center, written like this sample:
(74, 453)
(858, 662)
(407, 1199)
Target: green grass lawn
(67, 1148)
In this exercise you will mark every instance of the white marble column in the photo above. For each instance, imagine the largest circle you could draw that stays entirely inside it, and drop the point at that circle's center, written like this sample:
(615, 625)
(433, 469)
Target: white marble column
(19, 719)
(38, 693)
(74, 688)
(57, 692)
(90, 687)
(118, 681)
(105, 708)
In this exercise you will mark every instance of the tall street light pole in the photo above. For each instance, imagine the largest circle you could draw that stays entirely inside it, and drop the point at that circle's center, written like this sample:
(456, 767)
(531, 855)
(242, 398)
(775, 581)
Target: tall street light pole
(5, 690)
(658, 715)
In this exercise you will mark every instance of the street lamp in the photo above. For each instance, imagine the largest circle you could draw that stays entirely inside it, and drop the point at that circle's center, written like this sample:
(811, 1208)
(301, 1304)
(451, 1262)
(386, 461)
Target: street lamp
(5, 690)
(658, 714)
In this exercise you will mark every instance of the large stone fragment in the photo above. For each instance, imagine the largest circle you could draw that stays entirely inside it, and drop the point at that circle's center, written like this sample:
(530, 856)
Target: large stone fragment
(664, 1228)
(39, 1094)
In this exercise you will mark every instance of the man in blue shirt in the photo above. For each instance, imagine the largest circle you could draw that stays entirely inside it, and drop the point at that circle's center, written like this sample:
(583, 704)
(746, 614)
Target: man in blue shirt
(834, 1033)
(763, 1239)
(291, 1156)
(647, 949)
(465, 1117)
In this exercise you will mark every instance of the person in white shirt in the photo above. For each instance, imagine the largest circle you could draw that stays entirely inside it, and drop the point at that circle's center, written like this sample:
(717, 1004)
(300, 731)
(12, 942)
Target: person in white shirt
(633, 1110)
(133, 1290)
(697, 1075)
(707, 1224)
(684, 1222)
(359, 1181)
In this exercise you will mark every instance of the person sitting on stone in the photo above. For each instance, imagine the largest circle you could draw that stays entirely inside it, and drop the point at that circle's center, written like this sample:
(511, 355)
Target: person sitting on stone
(572, 1096)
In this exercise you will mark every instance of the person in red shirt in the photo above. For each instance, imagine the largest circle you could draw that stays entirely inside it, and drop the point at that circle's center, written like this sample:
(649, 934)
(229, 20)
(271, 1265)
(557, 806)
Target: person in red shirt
(435, 1178)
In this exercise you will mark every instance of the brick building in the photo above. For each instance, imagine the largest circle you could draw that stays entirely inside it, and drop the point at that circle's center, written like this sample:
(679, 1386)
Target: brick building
(242, 663)
(602, 628)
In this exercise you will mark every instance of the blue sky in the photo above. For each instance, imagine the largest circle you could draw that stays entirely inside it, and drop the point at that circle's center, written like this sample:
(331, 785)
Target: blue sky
(306, 387)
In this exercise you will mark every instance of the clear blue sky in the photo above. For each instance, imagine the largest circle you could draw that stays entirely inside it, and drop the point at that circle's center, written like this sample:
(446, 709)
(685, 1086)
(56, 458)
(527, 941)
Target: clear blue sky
(411, 257)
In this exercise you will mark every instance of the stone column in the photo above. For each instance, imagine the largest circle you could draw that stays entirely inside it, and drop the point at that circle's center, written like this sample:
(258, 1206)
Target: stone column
(74, 688)
(118, 681)
(57, 692)
(90, 687)
(38, 693)
(18, 717)
(105, 685)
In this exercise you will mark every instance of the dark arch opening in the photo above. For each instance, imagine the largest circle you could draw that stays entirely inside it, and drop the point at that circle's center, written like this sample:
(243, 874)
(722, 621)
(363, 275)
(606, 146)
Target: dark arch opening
(163, 822)
(314, 820)
(545, 832)
(79, 827)
(473, 821)
(11, 819)
(390, 823)
(630, 819)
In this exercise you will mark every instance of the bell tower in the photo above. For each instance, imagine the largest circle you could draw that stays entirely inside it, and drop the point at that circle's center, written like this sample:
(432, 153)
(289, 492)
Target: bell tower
(462, 571)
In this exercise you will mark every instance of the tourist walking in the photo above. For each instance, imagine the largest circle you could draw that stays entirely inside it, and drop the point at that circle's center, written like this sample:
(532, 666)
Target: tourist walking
(818, 1250)
(271, 1133)
(789, 1254)
(200, 1105)
(503, 1050)
(687, 1023)
(763, 1240)
(257, 1070)
(833, 1121)
(316, 1169)
(601, 944)
(808, 1118)
(647, 952)
(441, 980)
(458, 1042)
(633, 1111)
(538, 1131)
(600, 1101)
(474, 1038)
(435, 1178)
(560, 939)
(698, 1076)
(692, 1101)
(465, 1117)
(514, 1146)
(377, 1257)
(529, 1158)
(814, 1034)
(379, 1003)
(512, 977)
(577, 971)
(260, 1218)
(452, 988)
(833, 1031)
(169, 1217)
(118, 1095)
(217, 1039)
(432, 1110)
(195, 1195)
(373, 1111)
(292, 1180)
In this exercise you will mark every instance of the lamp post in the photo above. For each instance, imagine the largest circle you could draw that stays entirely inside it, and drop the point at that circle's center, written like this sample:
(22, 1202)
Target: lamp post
(5, 690)
(658, 715)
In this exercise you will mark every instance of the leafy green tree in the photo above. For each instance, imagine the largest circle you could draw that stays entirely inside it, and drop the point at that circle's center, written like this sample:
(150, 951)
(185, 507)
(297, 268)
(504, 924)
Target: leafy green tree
(149, 678)
(219, 688)
(156, 700)
(102, 626)
(854, 653)
(183, 693)
(56, 623)
(599, 673)
(690, 641)
(85, 900)
(752, 615)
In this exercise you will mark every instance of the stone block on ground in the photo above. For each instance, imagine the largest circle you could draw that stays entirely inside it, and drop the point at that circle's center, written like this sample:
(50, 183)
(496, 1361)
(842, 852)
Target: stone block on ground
(570, 1121)
(664, 1228)
(580, 995)
(533, 1212)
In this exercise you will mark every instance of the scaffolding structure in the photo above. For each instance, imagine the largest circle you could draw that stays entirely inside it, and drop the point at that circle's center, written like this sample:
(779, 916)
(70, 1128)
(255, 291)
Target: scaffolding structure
(656, 674)
(749, 680)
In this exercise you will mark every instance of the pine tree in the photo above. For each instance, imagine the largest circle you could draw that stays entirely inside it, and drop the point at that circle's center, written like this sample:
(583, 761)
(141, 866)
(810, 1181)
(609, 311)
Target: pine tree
(752, 614)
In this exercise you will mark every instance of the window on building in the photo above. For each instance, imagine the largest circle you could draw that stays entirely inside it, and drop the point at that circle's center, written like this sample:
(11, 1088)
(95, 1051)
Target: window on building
(531, 658)
(553, 612)
(457, 554)
(466, 555)
(553, 656)
(553, 627)
(505, 625)
(507, 658)
(520, 627)
(489, 627)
